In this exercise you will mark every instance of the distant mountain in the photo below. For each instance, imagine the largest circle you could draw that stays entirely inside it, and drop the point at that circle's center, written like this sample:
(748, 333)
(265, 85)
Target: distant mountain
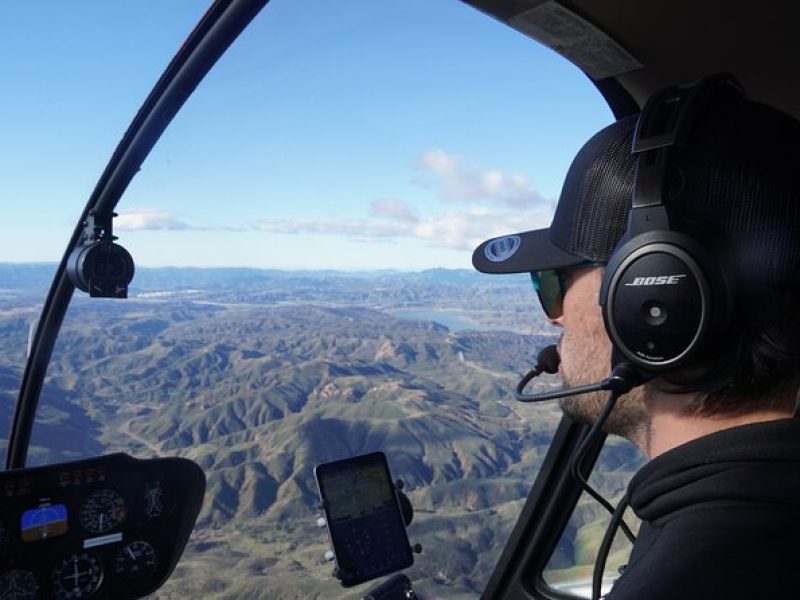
(27, 277)
(148, 278)
(24, 276)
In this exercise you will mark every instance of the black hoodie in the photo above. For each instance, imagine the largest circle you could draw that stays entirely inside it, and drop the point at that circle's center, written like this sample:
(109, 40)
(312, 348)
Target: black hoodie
(720, 518)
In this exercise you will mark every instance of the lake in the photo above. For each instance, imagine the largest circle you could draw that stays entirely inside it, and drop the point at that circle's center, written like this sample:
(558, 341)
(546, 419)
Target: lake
(453, 320)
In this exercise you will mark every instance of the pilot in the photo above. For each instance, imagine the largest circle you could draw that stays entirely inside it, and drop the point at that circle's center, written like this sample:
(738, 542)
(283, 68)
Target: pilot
(719, 497)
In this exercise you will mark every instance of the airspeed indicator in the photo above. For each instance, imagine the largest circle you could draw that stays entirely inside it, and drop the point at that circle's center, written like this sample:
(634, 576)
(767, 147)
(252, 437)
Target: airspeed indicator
(103, 511)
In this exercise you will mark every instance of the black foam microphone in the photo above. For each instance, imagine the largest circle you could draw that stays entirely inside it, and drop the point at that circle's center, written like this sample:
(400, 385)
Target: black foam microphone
(547, 362)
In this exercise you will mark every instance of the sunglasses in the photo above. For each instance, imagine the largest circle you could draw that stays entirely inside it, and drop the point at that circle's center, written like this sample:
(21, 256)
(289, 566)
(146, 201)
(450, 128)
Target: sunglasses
(550, 286)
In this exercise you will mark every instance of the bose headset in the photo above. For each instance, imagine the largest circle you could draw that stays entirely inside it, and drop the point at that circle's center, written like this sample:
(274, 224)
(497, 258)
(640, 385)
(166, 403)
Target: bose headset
(663, 293)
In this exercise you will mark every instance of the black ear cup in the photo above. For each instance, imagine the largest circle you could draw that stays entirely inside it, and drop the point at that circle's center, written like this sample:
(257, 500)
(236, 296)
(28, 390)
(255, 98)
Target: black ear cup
(657, 300)
(662, 294)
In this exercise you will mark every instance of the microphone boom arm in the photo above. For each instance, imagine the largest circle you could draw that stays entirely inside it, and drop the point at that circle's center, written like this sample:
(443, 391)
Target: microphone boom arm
(621, 380)
(562, 393)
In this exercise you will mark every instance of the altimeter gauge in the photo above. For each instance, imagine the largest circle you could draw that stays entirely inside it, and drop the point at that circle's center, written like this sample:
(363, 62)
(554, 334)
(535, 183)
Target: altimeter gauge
(78, 576)
(103, 511)
(18, 585)
(136, 560)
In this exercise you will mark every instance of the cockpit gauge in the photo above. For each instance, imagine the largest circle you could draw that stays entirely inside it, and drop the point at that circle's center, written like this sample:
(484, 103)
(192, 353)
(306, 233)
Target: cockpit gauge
(136, 560)
(44, 521)
(103, 511)
(78, 576)
(154, 498)
(18, 585)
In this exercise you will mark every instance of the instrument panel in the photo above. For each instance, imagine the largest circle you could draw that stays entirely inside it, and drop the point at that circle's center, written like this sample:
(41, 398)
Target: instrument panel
(106, 527)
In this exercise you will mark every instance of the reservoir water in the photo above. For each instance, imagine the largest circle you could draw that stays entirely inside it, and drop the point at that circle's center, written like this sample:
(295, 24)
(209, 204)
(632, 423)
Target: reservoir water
(453, 320)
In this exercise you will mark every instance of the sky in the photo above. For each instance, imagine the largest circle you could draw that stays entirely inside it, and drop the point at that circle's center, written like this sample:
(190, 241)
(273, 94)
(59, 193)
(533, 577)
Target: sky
(352, 135)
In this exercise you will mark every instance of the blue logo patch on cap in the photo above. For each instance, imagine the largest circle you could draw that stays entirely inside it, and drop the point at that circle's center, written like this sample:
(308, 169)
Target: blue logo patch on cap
(503, 248)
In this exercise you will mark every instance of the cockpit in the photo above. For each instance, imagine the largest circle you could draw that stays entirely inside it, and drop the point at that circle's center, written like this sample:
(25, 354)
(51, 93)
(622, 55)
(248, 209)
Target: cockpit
(254, 360)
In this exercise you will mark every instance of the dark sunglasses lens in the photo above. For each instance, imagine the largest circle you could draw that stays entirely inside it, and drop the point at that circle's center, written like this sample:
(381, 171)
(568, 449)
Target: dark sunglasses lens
(550, 291)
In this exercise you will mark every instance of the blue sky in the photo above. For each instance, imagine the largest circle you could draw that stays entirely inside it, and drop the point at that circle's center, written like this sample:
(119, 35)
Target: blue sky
(358, 134)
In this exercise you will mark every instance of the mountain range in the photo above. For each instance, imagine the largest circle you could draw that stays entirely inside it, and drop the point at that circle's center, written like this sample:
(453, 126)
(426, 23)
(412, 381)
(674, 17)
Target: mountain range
(260, 376)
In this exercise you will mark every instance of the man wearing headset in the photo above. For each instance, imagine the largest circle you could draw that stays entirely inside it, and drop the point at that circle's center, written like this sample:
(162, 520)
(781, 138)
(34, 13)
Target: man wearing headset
(686, 266)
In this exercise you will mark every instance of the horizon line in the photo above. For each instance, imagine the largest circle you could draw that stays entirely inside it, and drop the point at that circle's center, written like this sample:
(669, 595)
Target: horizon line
(252, 268)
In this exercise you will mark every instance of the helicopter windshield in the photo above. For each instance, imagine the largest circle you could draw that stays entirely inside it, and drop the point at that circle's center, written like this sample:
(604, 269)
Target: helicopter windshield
(303, 293)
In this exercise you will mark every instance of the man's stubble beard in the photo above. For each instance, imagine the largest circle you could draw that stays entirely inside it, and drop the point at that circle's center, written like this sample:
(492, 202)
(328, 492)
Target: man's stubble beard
(589, 363)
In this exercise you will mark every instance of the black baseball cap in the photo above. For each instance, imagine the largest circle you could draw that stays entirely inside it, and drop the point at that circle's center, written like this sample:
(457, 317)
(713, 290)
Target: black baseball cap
(591, 215)
(735, 186)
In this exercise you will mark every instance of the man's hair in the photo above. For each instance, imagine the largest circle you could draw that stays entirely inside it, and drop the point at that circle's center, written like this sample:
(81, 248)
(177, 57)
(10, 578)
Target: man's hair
(737, 189)
(759, 365)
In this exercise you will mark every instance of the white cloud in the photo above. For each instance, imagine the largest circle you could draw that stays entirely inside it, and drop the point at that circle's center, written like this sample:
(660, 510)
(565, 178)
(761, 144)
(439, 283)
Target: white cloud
(438, 161)
(357, 228)
(459, 182)
(148, 219)
(156, 219)
(395, 210)
(462, 230)
(514, 206)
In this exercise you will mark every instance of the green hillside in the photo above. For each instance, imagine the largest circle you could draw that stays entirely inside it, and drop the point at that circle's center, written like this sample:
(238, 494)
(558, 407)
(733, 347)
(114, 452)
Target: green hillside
(258, 391)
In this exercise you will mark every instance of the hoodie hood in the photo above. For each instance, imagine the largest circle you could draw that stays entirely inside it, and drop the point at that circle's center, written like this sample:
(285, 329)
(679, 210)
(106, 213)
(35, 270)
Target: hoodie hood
(759, 462)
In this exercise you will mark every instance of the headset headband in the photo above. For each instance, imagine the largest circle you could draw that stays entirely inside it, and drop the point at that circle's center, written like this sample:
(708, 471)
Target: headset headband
(664, 125)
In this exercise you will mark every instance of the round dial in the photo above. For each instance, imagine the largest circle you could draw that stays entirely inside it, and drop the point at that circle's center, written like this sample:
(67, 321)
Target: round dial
(78, 576)
(154, 499)
(102, 511)
(18, 585)
(136, 560)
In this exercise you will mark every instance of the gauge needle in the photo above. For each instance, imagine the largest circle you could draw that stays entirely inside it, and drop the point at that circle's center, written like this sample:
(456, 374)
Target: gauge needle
(101, 522)
(75, 575)
(133, 556)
